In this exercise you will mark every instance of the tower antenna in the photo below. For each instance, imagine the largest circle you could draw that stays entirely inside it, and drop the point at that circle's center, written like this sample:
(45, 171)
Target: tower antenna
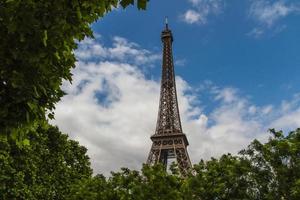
(166, 22)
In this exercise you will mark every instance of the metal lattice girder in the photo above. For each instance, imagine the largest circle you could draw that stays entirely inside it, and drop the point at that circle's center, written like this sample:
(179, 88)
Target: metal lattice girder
(169, 140)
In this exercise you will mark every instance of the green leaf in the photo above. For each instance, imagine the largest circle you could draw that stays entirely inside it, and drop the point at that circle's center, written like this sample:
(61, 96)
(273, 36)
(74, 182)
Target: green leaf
(125, 3)
(27, 117)
(26, 142)
(36, 92)
(22, 38)
(51, 116)
(12, 27)
(142, 4)
(78, 12)
(31, 105)
(56, 54)
(45, 37)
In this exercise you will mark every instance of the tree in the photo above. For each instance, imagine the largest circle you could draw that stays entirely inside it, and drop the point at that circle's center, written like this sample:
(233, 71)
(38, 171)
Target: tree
(159, 185)
(45, 169)
(37, 42)
(95, 188)
(262, 171)
(224, 178)
(152, 183)
(275, 166)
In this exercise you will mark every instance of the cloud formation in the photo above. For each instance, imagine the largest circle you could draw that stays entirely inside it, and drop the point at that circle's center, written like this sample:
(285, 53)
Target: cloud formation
(191, 16)
(120, 50)
(268, 13)
(201, 10)
(111, 108)
(265, 13)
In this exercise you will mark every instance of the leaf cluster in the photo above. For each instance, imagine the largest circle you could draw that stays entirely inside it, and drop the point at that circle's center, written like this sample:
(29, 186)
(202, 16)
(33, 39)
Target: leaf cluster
(152, 183)
(37, 43)
(55, 167)
(45, 169)
(261, 172)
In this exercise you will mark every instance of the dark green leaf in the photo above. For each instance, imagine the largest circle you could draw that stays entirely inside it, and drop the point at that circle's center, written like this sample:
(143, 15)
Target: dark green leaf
(125, 3)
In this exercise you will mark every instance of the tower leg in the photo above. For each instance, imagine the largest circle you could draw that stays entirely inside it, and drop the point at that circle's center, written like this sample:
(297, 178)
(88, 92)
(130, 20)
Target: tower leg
(161, 154)
(153, 156)
(183, 160)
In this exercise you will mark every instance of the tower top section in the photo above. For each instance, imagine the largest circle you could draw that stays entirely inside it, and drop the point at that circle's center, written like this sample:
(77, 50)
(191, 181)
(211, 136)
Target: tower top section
(168, 122)
(166, 34)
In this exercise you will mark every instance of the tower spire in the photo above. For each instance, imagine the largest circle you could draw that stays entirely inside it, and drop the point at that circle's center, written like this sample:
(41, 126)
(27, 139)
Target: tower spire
(168, 140)
(166, 22)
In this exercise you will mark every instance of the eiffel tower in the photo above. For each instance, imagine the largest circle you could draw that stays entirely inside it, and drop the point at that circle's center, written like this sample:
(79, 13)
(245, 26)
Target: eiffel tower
(168, 140)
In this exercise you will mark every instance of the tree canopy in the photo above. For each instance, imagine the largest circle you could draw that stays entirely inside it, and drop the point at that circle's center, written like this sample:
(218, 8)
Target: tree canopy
(45, 169)
(37, 42)
(261, 172)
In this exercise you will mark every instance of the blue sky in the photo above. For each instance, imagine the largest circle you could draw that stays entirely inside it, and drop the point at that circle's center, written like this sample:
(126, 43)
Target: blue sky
(237, 65)
(221, 50)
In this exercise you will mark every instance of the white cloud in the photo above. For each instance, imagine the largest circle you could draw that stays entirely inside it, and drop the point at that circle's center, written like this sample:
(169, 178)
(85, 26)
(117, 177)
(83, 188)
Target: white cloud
(256, 32)
(121, 50)
(180, 62)
(192, 16)
(229, 127)
(288, 121)
(288, 115)
(267, 109)
(111, 108)
(227, 95)
(201, 11)
(107, 110)
(268, 13)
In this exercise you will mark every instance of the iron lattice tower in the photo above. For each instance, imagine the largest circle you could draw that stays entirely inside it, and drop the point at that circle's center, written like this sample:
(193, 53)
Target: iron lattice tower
(168, 140)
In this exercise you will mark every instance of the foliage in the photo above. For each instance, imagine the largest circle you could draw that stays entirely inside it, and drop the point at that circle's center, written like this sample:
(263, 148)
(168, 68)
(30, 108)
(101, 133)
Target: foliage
(276, 165)
(92, 188)
(261, 172)
(54, 167)
(45, 169)
(152, 183)
(224, 178)
(37, 42)
(159, 185)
